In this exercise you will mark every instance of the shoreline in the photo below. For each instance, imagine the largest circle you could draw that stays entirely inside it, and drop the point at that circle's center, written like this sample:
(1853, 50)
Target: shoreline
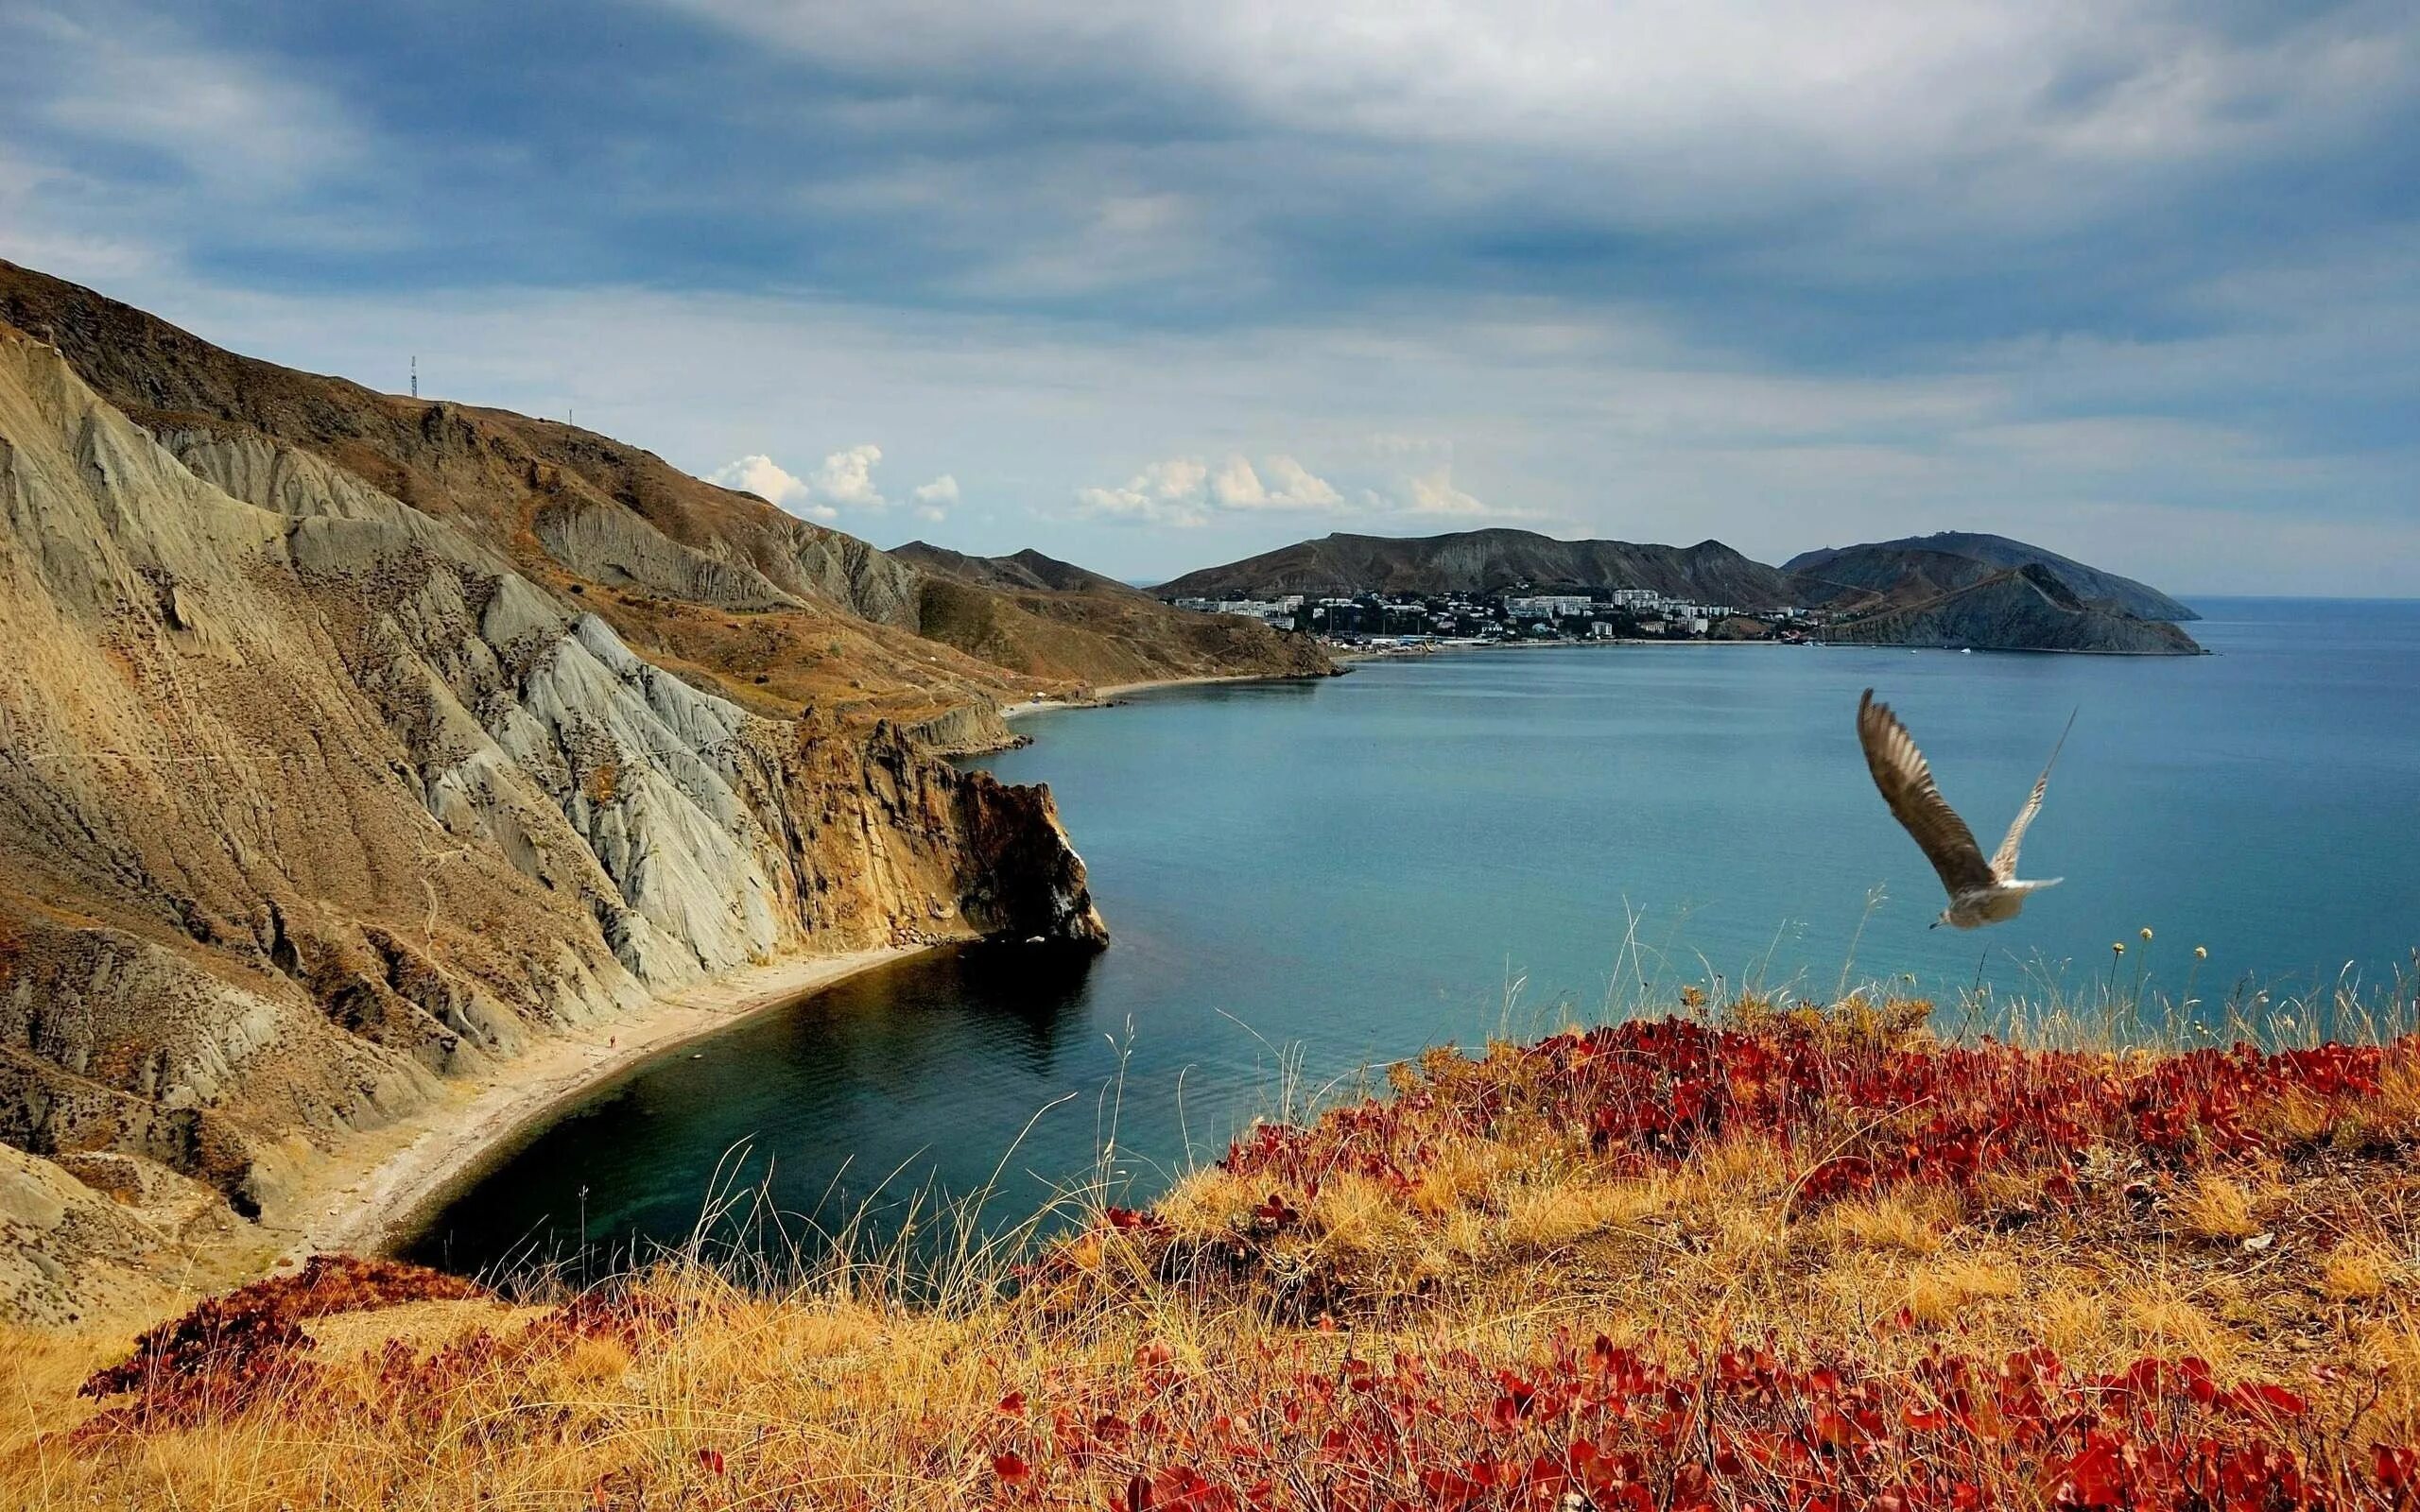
(1102, 697)
(370, 1194)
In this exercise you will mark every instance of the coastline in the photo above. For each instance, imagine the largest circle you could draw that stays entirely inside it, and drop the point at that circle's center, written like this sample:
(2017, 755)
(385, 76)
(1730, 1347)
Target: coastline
(1101, 698)
(366, 1195)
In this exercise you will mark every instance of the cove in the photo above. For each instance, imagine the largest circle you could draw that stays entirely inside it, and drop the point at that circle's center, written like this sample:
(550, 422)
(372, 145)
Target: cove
(1305, 879)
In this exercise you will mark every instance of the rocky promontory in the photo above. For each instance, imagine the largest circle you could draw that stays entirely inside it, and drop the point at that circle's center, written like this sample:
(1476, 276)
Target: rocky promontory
(2028, 608)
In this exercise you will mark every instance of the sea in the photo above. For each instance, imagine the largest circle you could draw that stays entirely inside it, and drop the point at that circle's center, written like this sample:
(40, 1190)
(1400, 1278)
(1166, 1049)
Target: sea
(1308, 881)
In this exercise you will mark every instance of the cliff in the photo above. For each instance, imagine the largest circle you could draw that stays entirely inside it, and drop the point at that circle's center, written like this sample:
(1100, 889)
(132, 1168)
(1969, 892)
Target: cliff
(1887, 574)
(2028, 608)
(1489, 561)
(310, 798)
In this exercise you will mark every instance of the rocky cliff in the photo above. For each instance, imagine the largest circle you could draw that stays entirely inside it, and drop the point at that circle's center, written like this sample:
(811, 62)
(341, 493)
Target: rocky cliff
(2028, 608)
(310, 797)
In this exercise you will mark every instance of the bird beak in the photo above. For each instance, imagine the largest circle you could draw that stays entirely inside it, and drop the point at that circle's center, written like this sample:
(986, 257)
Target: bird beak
(1935, 925)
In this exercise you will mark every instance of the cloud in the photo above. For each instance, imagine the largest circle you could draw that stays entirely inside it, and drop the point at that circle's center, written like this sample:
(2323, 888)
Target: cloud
(846, 478)
(935, 500)
(1433, 493)
(1187, 491)
(1238, 486)
(242, 126)
(1172, 493)
(766, 479)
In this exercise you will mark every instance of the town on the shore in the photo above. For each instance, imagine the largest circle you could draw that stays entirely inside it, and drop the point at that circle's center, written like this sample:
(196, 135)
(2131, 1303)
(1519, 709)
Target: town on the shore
(1371, 620)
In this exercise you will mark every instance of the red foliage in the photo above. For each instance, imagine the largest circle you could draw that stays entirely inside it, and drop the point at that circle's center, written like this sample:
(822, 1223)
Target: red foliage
(249, 1345)
(1650, 1092)
(1603, 1427)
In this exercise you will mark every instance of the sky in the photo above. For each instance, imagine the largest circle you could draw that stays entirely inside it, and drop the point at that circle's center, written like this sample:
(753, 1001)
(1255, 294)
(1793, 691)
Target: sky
(1153, 287)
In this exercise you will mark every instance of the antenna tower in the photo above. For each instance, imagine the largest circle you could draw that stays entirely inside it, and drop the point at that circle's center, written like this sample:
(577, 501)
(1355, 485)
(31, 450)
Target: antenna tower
(415, 375)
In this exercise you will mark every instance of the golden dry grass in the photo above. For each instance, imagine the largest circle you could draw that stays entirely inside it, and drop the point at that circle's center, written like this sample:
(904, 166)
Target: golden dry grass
(835, 1393)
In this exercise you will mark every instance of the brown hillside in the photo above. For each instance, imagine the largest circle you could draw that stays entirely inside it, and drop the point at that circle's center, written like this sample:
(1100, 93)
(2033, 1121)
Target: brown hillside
(310, 802)
(771, 611)
(1033, 615)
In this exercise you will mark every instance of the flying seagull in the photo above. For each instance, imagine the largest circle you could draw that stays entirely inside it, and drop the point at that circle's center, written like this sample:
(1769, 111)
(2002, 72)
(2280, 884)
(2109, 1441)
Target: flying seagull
(1980, 892)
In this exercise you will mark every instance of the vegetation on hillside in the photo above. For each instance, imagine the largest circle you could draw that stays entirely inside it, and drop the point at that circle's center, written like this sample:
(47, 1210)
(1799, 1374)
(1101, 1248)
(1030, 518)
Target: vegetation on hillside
(1781, 1258)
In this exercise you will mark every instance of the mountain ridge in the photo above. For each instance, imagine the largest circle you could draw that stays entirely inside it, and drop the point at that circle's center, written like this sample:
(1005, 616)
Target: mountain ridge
(1487, 561)
(718, 585)
(1872, 591)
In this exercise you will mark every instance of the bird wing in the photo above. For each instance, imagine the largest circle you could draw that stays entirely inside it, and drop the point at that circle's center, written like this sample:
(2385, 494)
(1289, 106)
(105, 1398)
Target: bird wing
(2004, 859)
(1906, 781)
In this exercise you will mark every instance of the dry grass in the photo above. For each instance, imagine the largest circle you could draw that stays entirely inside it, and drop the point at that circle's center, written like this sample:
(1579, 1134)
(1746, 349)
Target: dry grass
(1150, 1345)
(2218, 1207)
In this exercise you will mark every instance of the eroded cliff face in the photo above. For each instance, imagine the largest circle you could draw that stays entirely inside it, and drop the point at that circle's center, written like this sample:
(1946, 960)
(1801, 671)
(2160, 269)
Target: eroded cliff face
(309, 800)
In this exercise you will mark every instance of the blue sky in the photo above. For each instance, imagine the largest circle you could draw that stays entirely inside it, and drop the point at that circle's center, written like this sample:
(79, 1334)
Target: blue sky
(1151, 287)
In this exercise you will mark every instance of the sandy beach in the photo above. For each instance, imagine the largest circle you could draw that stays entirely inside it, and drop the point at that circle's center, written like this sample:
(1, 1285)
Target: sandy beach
(361, 1199)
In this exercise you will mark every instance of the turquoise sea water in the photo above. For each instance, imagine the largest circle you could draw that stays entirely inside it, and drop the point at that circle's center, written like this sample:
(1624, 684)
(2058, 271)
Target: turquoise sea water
(1347, 870)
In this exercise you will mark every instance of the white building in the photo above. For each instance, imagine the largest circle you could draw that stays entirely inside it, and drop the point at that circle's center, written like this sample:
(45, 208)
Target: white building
(1547, 606)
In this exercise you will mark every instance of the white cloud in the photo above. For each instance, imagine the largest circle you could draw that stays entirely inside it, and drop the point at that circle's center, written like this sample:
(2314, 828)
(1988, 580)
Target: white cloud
(843, 481)
(1290, 486)
(1433, 492)
(846, 478)
(935, 500)
(766, 479)
(1186, 490)
(1170, 492)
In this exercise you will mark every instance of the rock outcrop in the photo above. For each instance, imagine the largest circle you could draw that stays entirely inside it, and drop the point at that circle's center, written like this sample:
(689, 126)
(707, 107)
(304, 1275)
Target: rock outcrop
(310, 797)
(2030, 608)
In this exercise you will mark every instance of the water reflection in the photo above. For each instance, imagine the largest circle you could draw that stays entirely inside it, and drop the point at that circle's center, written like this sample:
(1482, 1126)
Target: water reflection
(859, 1097)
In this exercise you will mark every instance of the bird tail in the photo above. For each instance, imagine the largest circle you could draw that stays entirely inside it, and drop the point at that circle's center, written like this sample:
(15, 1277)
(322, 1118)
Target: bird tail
(2038, 884)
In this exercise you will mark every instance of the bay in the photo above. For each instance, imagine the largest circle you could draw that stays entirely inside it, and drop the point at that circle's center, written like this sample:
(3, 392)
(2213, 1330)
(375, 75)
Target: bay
(1308, 880)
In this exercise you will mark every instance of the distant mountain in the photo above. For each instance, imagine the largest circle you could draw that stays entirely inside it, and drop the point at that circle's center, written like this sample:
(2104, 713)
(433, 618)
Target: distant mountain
(1028, 610)
(1490, 562)
(1955, 589)
(1027, 570)
(2025, 609)
(1887, 574)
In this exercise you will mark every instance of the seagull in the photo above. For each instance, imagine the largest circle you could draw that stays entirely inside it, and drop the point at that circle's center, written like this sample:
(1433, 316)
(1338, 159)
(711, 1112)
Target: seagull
(1980, 892)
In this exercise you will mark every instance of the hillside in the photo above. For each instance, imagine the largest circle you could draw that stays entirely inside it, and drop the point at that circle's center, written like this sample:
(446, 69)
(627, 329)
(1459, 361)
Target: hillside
(1887, 574)
(312, 803)
(2028, 608)
(1025, 571)
(1489, 561)
(1782, 1258)
(1035, 614)
(776, 613)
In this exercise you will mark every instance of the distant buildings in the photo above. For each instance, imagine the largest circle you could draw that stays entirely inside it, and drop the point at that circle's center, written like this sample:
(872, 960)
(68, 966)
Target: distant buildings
(1609, 614)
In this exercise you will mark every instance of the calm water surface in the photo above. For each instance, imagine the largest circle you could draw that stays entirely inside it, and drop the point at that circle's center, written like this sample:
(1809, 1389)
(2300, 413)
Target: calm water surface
(1441, 848)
